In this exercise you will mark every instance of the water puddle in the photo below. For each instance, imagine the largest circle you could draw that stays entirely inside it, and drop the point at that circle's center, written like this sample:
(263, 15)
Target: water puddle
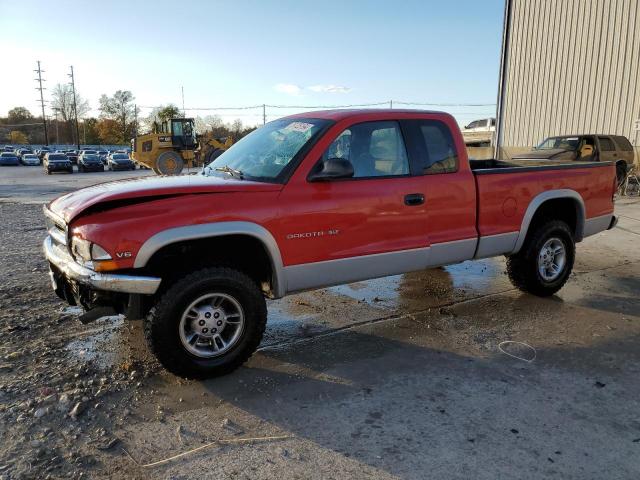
(101, 344)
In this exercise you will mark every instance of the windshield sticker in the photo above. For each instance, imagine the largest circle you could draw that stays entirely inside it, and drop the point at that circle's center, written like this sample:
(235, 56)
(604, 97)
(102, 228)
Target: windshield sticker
(298, 127)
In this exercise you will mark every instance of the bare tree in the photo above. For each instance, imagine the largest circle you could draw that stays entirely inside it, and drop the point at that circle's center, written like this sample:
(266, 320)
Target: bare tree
(62, 102)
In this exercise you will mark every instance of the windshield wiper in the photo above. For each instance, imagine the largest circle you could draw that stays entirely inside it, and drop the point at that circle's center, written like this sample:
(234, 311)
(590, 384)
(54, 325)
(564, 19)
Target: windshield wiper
(231, 171)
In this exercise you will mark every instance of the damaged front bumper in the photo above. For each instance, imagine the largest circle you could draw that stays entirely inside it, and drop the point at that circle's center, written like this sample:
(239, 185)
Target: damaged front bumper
(63, 265)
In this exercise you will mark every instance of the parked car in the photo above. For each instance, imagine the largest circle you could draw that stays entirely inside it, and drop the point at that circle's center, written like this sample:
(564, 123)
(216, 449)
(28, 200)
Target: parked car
(72, 155)
(103, 155)
(479, 133)
(56, 162)
(590, 148)
(8, 148)
(86, 152)
(42, 152)
(88, 162)
(9, 159)
(30, 159)
(22, 151)
(306, 202)
(120, 161)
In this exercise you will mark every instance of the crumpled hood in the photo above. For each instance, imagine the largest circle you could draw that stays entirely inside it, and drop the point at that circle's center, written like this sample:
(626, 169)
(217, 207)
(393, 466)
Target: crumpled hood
(72, 204)
(553, 153)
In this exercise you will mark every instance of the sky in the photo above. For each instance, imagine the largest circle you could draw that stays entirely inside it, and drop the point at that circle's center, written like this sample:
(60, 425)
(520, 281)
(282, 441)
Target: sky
(249, 52)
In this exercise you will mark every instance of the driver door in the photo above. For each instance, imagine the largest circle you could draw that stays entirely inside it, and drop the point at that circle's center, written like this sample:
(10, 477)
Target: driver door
(372, 224)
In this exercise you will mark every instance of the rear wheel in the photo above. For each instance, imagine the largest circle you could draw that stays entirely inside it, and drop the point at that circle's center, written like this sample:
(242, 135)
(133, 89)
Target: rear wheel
(212, 155)
(207, 324)
(544, 263)
(169, 163)
(621, 174)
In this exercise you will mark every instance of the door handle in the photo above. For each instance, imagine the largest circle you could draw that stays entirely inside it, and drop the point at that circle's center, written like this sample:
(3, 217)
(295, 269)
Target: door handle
(414, 199)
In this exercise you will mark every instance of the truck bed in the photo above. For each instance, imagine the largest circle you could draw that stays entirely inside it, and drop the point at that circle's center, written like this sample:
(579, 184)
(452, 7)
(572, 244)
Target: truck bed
(493, 166)
(506, 189)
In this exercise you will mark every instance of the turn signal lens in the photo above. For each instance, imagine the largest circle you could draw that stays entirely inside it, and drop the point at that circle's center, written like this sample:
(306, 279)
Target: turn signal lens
(105, 266)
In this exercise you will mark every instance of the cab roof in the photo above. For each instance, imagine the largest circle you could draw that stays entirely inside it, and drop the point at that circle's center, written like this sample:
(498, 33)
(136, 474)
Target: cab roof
(341, 114)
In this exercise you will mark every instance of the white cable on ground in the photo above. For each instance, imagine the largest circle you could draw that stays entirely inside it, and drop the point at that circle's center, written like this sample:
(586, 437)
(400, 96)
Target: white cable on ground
(528, 360)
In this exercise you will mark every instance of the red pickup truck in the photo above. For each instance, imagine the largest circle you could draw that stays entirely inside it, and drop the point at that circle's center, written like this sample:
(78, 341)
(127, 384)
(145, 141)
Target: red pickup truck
(306, 202)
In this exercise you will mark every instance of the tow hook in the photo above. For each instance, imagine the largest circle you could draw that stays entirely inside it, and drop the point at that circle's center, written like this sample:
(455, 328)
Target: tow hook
(96, 313)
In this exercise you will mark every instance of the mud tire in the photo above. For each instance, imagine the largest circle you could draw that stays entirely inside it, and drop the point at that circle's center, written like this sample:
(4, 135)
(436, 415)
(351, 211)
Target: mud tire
(522, 267)
(162, 323)
(169, 163)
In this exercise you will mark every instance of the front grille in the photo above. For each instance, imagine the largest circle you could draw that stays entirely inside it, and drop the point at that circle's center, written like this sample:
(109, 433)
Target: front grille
(56, 227)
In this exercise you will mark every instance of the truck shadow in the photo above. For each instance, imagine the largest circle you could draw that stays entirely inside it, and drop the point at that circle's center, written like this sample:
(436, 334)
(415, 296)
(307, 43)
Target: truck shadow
(390, 400)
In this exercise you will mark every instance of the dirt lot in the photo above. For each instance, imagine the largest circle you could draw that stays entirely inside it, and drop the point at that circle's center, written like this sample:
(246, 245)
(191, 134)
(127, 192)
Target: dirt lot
(400, 377)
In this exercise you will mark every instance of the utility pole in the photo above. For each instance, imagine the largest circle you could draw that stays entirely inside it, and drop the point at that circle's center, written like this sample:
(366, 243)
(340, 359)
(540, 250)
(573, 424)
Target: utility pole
(390, 103)
(264, 114)
(75, 107)
(135, 122)
(39, 87)
(184, 114)
(56, 110)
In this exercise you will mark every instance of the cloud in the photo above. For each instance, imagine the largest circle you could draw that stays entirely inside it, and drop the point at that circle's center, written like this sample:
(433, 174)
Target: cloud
(288, 88)
(296, 90)
(330, 89)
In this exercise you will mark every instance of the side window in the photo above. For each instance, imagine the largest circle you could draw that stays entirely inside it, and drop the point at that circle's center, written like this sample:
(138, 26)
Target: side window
(439, 154)
(606, 144)
(623, 143)
(375, 149)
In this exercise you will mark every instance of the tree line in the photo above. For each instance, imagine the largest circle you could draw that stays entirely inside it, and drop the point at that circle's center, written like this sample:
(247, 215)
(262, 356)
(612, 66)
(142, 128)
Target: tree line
(116, 124)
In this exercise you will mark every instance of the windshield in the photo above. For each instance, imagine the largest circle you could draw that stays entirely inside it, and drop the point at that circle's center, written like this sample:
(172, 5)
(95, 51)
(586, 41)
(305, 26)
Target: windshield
(121, 156)
(57, 157)
(563, 143)
(7, 155)
(88, 156)
(264, 153)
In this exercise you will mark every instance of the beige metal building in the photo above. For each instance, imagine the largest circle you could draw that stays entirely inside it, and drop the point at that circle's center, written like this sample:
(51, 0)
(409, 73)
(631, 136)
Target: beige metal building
(568, 67)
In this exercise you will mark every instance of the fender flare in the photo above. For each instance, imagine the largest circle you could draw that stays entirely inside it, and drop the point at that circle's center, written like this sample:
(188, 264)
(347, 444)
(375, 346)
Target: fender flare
(218, 229)
(538, 200)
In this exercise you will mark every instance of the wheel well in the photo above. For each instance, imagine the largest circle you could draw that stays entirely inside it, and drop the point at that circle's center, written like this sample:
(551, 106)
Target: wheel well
(565, 209)
(242, 252)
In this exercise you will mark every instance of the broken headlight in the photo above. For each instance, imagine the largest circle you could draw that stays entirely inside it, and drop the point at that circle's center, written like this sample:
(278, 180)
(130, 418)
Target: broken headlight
(88, 251)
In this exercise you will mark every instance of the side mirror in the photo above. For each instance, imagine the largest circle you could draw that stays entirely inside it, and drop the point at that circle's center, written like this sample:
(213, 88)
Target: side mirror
(332, 169)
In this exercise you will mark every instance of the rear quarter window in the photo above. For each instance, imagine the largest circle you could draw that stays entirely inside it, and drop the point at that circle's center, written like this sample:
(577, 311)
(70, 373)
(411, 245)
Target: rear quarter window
(623, 143)
(433, 150)
(606, 144)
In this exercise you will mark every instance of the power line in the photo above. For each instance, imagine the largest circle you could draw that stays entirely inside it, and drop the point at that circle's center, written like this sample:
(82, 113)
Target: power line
(353, 105)
(21, 125)
(447, 104)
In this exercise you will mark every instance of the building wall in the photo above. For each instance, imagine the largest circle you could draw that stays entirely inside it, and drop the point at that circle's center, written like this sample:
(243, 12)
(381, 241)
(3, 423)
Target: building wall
(570, 66)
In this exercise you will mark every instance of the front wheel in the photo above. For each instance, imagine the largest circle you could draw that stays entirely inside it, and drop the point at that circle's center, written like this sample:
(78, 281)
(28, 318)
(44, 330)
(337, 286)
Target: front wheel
(544, 264)
(207, 324)
(169, 163)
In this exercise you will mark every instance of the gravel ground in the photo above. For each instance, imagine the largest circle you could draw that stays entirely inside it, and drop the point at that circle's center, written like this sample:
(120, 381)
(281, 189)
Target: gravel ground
(57, 408)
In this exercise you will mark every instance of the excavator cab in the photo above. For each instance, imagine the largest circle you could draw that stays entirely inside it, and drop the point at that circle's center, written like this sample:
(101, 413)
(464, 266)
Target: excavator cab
(183, 134)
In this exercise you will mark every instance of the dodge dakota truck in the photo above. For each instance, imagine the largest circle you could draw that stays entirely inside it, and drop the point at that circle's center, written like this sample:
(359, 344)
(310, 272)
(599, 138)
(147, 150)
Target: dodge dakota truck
(306, 202)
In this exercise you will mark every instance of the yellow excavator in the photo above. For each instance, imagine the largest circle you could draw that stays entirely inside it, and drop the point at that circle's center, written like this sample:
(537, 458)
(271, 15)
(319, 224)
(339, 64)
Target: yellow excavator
(174, 144)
